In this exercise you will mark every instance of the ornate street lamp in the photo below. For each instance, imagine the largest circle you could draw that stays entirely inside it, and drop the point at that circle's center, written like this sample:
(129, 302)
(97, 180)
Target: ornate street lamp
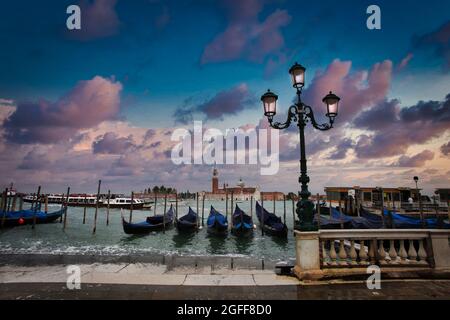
(419, 195)
(301, 113)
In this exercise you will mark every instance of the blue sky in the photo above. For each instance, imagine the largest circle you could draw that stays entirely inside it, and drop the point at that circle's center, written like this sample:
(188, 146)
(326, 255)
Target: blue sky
(158, 52)
(162, 64)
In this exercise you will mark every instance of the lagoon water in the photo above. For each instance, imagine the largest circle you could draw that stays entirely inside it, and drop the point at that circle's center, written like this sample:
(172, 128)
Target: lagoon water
(111, 240)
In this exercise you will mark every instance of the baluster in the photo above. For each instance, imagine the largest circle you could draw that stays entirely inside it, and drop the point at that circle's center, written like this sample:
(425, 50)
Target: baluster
(382, 253)
(333, 254)
(325, 258)
(353, 254)
(402, 251)
(372, 254)
(412, 253)
(422, 253)
(342, 253)
(392, 252)
(362, 253)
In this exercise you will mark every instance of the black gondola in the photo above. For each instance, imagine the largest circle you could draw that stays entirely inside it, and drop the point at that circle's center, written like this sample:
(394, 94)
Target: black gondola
(188, 222)
(26, 217)
(217, 223)
(272, 224)
(156, 223)
(242, 223)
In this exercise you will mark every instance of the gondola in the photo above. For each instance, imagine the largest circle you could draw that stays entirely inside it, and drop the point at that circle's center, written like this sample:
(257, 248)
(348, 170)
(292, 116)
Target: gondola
(217, 223)
(272, 224)
(242, 223)
(156, 223)
(26, 217)
(361, 222)
(188, 222)
(399, 221)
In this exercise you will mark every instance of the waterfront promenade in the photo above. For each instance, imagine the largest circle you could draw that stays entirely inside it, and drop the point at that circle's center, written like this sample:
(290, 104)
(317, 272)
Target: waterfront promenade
(209, 278)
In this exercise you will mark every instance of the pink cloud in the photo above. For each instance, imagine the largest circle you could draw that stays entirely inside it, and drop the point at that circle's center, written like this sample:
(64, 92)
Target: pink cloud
(85, 106)
(405, 61)
(417, 160)
(98, 20)
(246, 37)
(357, 90)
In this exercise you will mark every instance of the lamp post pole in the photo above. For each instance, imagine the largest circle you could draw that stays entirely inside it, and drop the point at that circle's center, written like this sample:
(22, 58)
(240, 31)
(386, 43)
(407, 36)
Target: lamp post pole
(302, 114)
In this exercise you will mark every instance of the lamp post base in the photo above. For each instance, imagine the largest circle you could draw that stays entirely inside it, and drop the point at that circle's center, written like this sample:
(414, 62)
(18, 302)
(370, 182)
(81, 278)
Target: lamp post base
(305, 213)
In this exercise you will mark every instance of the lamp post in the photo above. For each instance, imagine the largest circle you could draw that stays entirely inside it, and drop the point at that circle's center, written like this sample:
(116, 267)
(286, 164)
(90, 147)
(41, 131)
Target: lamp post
(419, 195)
(302, 114)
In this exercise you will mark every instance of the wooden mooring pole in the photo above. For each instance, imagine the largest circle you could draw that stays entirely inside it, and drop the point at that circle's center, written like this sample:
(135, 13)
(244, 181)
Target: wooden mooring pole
(13, 209)
(274, 205)
(84, 209)
(176, 205)
(4, 198)
(198, 208)
(293, 214)
(164, 214)
(251, 207)
(203, 210)
(232, 207)
(20, 203)
(156, 200)
(262, 215)
(107, 207)
(226, 204)
(284, 208)
(36, 206)
(96, 206)
(131, 207)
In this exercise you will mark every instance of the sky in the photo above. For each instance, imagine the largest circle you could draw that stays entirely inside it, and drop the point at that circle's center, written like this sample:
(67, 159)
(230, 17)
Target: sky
(102, 102)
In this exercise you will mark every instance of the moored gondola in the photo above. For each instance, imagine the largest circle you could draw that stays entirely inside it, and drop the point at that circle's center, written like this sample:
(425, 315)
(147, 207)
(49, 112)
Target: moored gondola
(242, 223)
(217, 223)
(156, 223)
(188, 222)
(26, 217)
(272, 224)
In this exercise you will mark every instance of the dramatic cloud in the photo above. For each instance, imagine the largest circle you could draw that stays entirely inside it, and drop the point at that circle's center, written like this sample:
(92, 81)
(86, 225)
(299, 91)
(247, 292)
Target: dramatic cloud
(228, 102)
(110, 143)
(405, 61)
(445, 149)
(341, 149)
(357, 90)
(438, 41)
(417, 160)
(245, 36)
(88, 104)
(98, 20)
(395, 129)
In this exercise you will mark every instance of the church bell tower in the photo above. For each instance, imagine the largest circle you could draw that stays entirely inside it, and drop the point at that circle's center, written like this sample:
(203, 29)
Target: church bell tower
(215, 180)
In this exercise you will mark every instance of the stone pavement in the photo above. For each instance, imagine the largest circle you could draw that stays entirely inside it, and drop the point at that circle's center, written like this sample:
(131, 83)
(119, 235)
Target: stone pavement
(152, 281)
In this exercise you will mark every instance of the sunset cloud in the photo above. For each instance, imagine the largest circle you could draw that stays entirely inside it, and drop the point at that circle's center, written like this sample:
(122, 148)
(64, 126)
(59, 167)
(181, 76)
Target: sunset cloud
(227, 102)
(88, 104)
(357, 90)
(395, 129)
(98, 19)
(245, 36)
(417, 160)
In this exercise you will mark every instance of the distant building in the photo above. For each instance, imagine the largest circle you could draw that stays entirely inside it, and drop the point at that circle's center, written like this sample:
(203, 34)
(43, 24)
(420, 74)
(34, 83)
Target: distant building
(444, 194)
(270, 196)
(372, 194)
(239, 192)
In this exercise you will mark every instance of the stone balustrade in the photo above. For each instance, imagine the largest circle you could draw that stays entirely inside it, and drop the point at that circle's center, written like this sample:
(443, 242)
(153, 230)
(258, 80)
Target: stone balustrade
(323, 251)
(342, 248)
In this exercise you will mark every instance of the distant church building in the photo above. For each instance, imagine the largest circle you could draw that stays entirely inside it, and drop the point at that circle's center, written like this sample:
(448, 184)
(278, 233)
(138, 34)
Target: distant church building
(240, 192)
